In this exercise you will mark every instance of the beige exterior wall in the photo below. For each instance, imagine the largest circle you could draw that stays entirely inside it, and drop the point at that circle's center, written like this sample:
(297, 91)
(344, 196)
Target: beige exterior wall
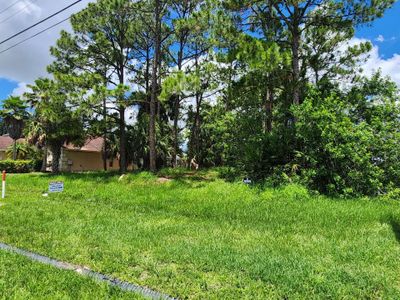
(80, 161)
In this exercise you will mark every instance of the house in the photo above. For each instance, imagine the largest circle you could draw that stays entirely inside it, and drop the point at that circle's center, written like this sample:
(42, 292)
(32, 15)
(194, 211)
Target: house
(5, 143)
(89, 157)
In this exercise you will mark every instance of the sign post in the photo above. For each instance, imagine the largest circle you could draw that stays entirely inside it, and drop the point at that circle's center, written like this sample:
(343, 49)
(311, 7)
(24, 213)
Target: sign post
(3, 190)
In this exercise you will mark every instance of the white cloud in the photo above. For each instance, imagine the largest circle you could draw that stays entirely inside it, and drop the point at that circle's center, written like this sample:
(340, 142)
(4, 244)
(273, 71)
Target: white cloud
(375, 62)
(380, 38)
(20, 89)
(28, 61)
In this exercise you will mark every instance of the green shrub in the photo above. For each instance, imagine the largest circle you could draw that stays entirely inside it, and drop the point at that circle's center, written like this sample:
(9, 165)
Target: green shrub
(17, 166)
(24, 151)
(294, 192)
(229, 173)
(37, 165)
(350, 143)
(172, 172)
(394, 194)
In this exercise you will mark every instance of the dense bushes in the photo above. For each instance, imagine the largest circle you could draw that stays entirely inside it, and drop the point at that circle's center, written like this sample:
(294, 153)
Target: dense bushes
(17, 166)
(349, 144)
(337, 141)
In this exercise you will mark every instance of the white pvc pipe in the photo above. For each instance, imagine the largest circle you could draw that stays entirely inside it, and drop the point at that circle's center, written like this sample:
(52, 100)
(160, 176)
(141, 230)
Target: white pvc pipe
(3, 188)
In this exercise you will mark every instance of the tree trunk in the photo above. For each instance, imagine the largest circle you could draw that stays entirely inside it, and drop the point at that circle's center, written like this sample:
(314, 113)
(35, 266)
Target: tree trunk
(15, 150)
(122, 141)
(148, 82)
(295, 45)
(296, 65)
(316, 77)
(176, 132)
(105, 135)
(268, 106)
(177, 102)
(44, 163)
(154, 90)
(194, 140)
(55, 163)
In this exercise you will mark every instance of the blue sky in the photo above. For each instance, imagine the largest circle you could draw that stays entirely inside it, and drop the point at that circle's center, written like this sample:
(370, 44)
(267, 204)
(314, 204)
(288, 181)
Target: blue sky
(389, 28)
(30, 59)
(6, 87)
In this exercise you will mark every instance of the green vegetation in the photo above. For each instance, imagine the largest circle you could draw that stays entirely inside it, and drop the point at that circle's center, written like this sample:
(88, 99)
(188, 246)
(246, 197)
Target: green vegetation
(17, 166)
(269, 89)
(14, 115)
(194, 235)
(272, 89)
(21, 278)
(349, 145)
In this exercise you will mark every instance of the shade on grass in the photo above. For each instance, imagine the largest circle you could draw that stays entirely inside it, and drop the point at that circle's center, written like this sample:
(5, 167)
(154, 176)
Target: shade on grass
(205, 238)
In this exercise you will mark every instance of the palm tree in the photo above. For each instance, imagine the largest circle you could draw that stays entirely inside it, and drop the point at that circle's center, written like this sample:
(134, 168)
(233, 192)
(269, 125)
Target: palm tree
(54, 123)
(36, 135)
(14, 115)
(24, 151)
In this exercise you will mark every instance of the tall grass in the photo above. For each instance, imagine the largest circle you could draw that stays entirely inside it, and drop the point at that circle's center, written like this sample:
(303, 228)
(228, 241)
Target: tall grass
(199, 237)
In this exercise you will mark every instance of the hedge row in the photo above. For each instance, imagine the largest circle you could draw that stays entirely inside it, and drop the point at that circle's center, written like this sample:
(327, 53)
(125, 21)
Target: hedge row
(17, 166)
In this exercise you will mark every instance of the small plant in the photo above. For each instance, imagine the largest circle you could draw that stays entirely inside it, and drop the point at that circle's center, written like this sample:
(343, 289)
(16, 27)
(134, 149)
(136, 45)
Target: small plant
(229, 173)
(24, 151)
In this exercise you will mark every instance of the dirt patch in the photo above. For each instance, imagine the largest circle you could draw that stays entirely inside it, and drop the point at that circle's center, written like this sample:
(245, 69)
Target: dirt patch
(163, 180)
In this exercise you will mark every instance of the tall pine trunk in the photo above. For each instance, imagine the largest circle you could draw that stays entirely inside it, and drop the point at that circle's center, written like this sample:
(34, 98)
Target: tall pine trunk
(177, 103)
(122, 123)
(268, 107)
(122, 141)
(295, 45)
(176, 132)
(194, 136)
(154, 88)
(296, 65)
(105, 135)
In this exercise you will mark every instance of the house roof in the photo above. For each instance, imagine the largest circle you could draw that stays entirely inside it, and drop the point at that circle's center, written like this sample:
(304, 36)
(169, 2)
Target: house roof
(6, 142)
(91, 145)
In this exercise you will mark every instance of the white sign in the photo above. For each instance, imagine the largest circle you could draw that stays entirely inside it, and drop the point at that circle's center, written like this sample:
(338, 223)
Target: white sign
(56, 187)
(247, 181)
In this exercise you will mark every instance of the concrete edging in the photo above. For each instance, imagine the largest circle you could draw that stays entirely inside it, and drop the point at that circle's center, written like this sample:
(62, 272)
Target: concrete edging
(125, 286)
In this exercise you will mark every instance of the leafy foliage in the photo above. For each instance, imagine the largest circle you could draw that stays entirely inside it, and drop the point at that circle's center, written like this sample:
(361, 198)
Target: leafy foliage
(24, 151)
(349, 142)
(269, 88)
(14, 116)
(55, 122)
(17, 166)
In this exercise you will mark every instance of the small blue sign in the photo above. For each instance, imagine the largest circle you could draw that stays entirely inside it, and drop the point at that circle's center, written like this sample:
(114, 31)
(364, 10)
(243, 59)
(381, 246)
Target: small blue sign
(56, 187)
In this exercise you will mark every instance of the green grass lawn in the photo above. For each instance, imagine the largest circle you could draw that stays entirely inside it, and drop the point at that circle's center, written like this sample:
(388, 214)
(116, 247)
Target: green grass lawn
(198, 237)
(21, 278)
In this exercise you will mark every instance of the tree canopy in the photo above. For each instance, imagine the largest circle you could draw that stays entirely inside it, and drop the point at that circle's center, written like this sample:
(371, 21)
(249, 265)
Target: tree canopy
(271, 89)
